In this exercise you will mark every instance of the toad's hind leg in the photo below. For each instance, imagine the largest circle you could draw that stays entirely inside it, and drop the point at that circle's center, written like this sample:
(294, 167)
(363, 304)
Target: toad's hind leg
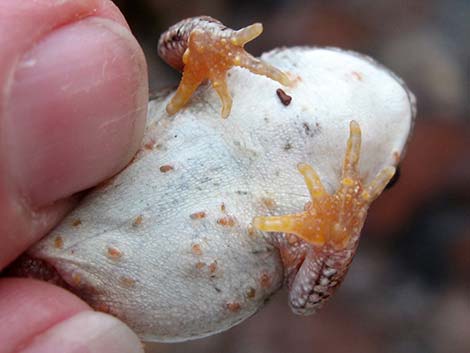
(305, 224)
(351, 156)
(328, 229)
(376, 186)
(334, 219)
(350, 181)
(312, 180)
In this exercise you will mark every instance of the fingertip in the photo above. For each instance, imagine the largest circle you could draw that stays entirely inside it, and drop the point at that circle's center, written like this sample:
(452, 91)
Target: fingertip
(87, 331)
(76, 111)
(29, 307)
(40, 317)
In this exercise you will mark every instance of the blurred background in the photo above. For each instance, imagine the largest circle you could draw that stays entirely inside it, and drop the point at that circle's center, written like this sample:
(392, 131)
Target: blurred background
(408, 289)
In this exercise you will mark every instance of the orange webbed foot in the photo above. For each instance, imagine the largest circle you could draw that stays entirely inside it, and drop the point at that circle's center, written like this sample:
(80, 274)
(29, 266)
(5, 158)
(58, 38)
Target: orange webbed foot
(333, 219)
(210, 54)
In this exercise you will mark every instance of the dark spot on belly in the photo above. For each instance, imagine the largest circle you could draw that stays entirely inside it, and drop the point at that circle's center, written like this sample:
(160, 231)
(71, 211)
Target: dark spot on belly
(283, 97)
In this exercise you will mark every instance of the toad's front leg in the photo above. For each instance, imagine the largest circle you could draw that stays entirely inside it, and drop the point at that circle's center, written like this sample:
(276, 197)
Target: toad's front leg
(318, 245)
(204, 49)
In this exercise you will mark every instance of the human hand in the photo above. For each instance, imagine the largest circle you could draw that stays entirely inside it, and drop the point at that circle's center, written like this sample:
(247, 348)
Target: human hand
(72, 113)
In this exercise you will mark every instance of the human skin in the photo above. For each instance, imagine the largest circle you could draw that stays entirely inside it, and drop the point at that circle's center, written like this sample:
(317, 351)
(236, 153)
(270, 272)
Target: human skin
(72, 113)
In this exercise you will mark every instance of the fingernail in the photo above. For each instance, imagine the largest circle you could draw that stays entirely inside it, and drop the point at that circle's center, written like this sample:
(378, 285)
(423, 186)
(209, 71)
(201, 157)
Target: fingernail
(76, 110)
(87, 331)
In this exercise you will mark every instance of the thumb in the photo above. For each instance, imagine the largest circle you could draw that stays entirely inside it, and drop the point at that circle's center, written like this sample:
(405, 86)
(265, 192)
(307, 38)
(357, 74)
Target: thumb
(74, 106)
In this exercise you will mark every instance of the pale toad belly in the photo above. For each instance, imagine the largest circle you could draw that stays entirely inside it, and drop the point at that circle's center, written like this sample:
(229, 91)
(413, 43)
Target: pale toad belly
(169, 246)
